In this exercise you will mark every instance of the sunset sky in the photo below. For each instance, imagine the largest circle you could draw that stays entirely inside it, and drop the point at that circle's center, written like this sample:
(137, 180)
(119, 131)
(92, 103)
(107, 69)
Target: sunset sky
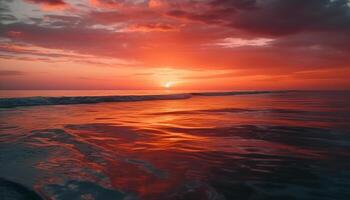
(183, 44)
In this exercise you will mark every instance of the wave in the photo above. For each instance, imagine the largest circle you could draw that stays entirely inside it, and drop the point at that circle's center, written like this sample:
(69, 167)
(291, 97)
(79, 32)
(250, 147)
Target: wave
(40, 101)
(236, 93)
(13, 190)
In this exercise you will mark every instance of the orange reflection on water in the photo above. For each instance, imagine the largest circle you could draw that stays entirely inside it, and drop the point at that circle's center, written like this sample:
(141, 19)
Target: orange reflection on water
(154, 148)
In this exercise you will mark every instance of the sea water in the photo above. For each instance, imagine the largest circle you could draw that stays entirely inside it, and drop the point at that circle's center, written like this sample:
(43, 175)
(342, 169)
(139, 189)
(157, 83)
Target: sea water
(178, 145)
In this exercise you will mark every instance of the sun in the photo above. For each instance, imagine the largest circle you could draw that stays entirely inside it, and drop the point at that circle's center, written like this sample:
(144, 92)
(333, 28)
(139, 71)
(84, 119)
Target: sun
(168, 85)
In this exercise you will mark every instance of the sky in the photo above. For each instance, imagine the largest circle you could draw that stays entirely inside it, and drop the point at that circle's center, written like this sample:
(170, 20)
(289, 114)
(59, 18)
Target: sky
(177, 44)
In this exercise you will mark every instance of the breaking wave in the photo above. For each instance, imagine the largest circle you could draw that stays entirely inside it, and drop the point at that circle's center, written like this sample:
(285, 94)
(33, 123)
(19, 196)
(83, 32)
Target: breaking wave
(39, 101)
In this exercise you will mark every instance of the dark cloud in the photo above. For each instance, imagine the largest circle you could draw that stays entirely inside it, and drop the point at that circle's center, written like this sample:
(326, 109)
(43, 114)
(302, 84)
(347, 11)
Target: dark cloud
(306, 33)
(337, 42)
(236, 4)
(210, 17)
(273, 17)
(115, 16)
(62, 17)
(4, 8)
(49, 2)
(7, 18)
(10, 73)
(118, 3)
(282, 17)
(158, 26)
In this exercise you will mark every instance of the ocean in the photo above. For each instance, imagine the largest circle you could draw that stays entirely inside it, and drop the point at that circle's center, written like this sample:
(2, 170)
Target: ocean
(159, 145)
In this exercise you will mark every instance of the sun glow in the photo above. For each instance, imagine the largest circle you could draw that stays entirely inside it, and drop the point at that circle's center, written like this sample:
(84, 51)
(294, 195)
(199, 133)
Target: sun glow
(168, 85)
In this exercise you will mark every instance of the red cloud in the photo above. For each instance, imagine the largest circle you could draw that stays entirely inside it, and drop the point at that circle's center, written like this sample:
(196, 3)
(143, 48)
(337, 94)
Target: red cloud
(49, 2)
(309, 36)
(105, 3)
(152, 27)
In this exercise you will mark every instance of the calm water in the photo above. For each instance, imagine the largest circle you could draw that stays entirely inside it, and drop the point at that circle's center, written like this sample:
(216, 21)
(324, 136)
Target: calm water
(266, 146)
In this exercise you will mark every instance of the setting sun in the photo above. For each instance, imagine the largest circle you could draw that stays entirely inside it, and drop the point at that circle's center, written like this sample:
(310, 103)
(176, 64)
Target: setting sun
(168, 85)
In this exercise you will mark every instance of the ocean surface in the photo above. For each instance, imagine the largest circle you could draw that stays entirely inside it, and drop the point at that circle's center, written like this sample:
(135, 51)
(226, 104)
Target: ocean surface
(160, 145)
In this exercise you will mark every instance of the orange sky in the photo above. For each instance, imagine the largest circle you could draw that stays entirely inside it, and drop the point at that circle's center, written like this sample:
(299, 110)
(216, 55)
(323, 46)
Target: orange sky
(182, 44)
